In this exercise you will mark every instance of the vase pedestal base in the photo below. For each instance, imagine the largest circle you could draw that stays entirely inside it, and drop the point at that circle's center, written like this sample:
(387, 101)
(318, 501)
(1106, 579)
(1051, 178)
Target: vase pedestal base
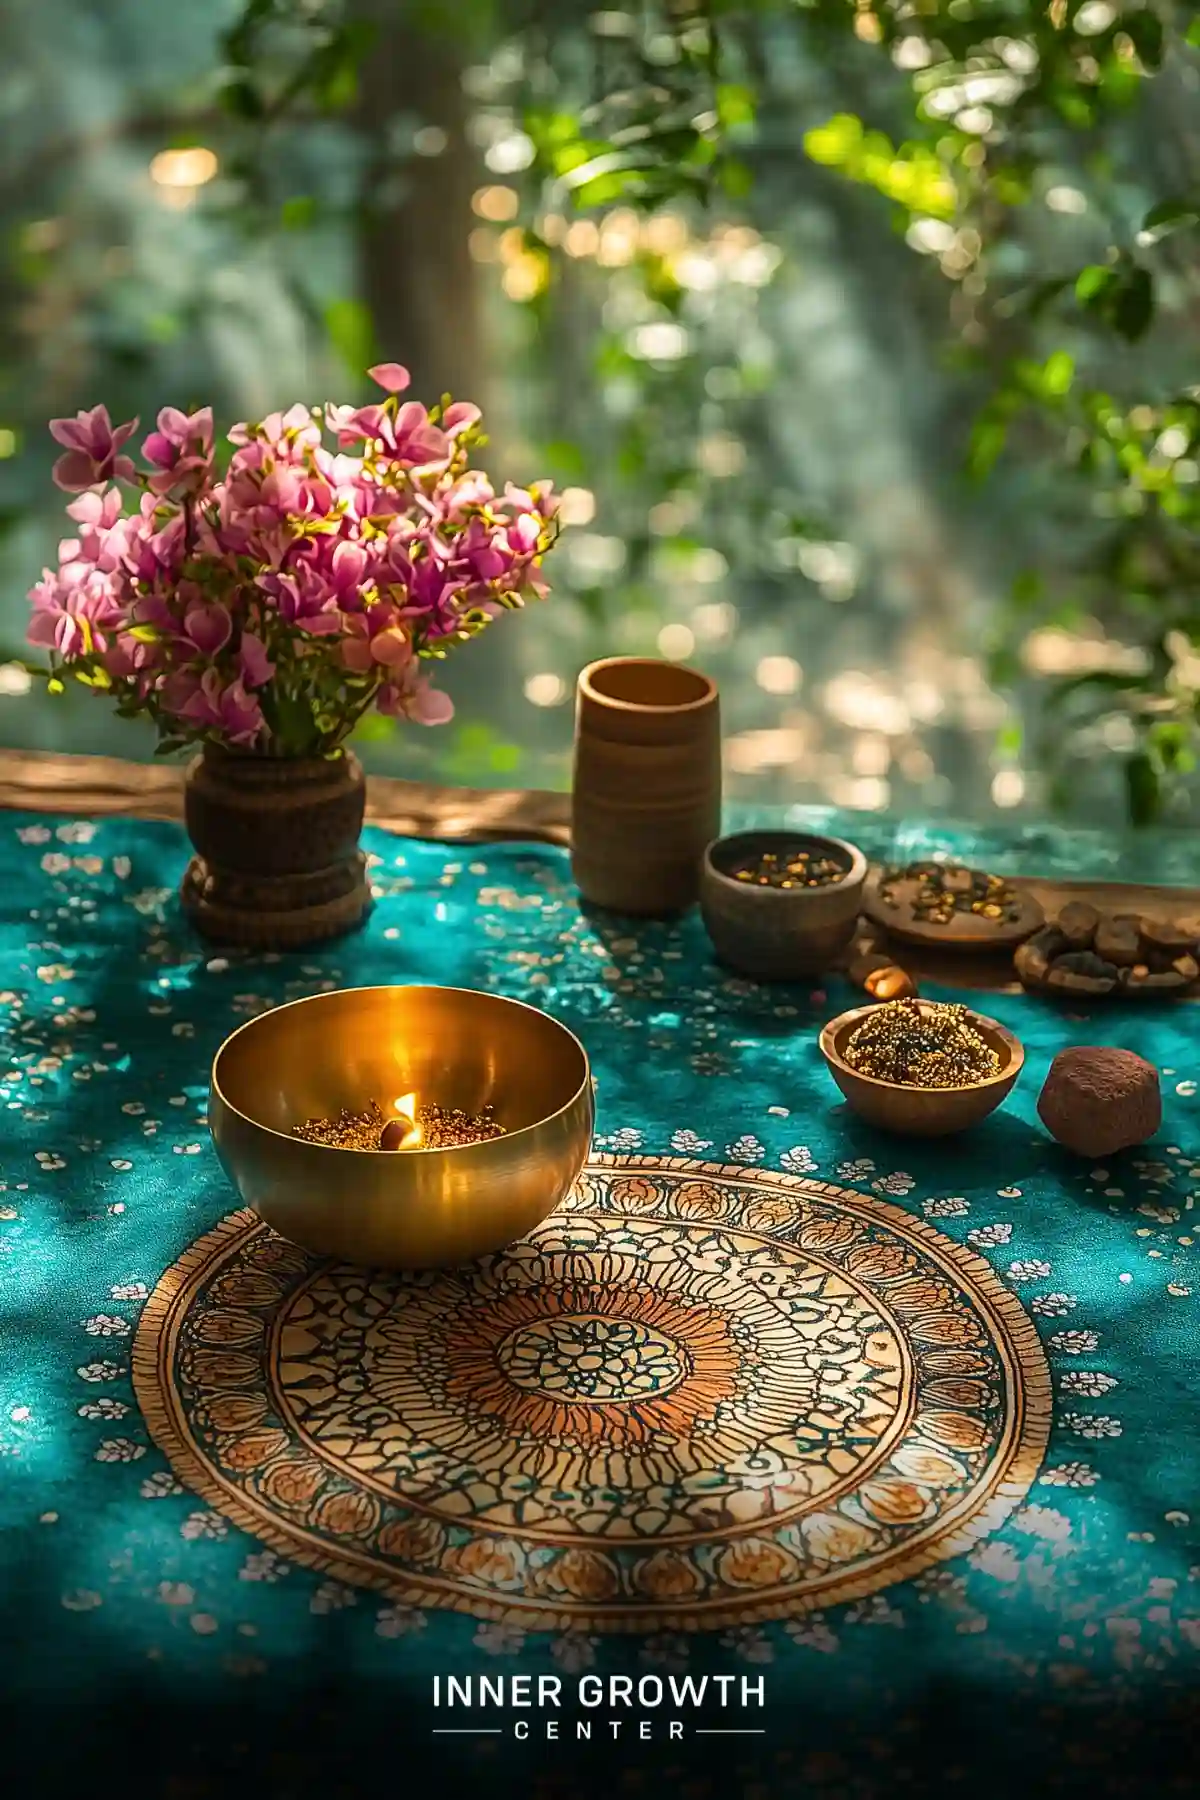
(280, 912)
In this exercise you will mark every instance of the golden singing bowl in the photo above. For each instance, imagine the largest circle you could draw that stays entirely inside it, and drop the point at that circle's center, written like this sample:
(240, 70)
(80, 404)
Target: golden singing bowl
(918, 1111)
(402, 1209)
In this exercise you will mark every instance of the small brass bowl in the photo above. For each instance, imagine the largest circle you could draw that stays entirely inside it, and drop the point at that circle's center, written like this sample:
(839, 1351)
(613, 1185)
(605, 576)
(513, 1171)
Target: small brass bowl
(779, 934)
(402, 1209)
(917, 1111)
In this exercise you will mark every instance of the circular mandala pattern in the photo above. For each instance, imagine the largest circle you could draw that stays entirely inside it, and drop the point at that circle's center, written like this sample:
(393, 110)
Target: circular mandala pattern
(592, 1358)
(696, 1396)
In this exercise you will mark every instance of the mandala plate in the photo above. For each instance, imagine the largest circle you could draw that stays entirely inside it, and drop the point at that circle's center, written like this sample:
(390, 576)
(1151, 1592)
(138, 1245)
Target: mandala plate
(696, 1396)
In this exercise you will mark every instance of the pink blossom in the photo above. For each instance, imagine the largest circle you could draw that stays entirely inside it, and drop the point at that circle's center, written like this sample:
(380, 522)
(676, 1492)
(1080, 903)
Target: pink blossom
(391, 376)
(459, 416)
(524, 534)
(414, 697)
(207, 625)
(255, 665)
(228, 709)
(305, 599)
(433, 596)
(482, 552)
(129, 659)
(180, 450)
(471, 489)
(348, 566)
(541, 500)
(290, 434)
(74, 611)
(92, 447)
(411, 439)
(96, 514)
(374, 641)
(353, 424)
(300, 562)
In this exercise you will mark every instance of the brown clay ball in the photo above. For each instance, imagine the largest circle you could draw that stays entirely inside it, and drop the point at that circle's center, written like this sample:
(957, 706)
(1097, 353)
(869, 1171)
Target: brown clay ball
(1097, 1100)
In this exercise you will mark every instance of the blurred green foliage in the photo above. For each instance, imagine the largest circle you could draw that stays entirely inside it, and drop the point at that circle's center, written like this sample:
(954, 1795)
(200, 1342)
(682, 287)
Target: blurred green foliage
(1040, 157)
(997, 92)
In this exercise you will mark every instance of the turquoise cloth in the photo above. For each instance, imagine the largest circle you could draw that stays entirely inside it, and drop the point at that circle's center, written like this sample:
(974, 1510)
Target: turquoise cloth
(1053, 1644)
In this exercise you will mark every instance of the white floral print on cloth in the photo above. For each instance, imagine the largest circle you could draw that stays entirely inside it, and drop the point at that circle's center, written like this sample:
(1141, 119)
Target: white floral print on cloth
(856, 1170)
(399, 1621)
(1086, 1381)
(746, 1149)
(626, 1138)
(899, 1182)
(1053, 1306)
(99, 1371)
(102, 1409)
(162, 1485)
(574, 1651)
(332, 1596)
(119, 1450)
(263, 1565)
(107, 1325)
(1043, 1522)
(985, 1236)
(1092, 1425)
(749, 1643)
(1074, 1343)
(950, 1206)
(1031, 1270)
(203, 1525)
(1069, 1475)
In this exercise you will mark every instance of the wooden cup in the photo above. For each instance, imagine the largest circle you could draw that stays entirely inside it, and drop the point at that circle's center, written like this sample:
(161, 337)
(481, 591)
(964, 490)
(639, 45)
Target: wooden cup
(647, 784)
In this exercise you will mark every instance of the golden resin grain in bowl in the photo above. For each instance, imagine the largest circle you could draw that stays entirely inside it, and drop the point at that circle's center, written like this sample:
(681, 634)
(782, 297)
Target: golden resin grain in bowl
(921, 1111)
(415, 1208)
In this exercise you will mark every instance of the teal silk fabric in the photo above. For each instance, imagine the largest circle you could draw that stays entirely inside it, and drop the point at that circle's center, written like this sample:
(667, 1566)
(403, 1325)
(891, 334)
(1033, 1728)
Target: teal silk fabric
(1024, 1324)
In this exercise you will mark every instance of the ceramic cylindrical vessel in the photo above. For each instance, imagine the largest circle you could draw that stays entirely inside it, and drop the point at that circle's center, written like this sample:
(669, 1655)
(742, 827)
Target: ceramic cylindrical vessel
(277, 861)
(647, 784)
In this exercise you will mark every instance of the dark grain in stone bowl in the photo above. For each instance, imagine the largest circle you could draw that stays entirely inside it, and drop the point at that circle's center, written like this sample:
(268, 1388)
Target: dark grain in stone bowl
(779, 934)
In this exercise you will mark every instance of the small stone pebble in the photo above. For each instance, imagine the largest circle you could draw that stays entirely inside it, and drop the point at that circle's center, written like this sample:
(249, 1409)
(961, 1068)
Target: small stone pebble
(1078, 922)
(1097, 1100)
(1118, 941)
(1090, 953)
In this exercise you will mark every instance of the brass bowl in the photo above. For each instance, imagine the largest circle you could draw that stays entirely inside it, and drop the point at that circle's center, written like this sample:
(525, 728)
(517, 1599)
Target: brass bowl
(402, 1209)
(916, 1111)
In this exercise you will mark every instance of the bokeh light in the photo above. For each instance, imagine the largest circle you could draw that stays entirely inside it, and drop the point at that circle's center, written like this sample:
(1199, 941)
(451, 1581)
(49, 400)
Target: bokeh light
(676, 642)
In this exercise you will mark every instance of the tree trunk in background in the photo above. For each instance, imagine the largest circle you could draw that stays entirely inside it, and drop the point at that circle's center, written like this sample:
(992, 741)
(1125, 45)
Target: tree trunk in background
(417, 275)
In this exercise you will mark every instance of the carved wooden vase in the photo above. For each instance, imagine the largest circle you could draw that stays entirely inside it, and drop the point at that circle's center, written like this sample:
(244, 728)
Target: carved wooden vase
(277, 861)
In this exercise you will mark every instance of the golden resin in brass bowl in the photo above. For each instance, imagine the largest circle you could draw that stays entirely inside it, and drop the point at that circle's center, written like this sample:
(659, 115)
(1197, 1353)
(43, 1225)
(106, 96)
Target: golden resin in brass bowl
(921, 1111)
(449, 1047)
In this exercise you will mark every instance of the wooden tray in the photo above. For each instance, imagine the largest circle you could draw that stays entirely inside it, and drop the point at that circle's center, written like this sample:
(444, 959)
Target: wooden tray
(963, 930)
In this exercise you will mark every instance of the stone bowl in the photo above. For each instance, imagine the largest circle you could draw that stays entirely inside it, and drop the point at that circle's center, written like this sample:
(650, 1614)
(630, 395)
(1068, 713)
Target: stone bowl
(779, 934)
(916, 1111)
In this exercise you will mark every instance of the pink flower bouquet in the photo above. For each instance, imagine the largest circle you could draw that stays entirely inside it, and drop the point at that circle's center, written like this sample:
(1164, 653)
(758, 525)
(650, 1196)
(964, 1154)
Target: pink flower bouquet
(269, 608)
